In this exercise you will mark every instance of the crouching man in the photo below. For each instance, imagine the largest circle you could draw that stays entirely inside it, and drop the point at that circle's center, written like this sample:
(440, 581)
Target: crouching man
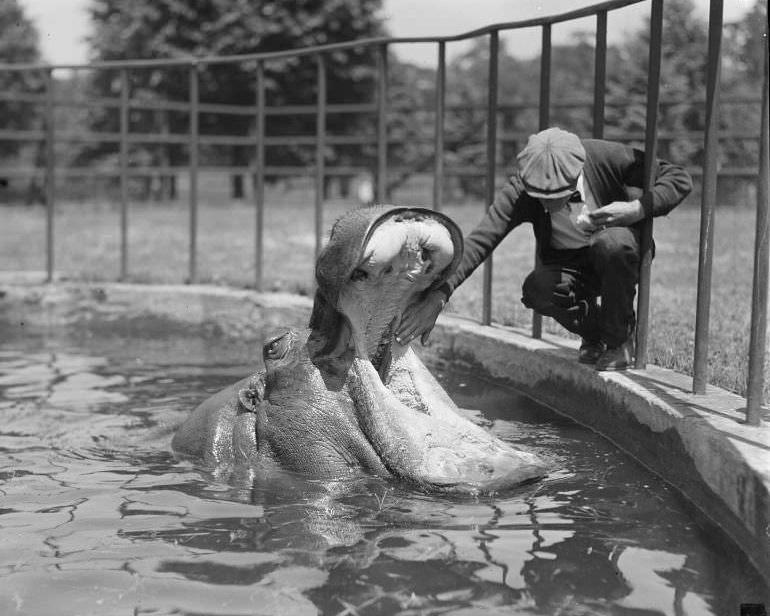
(575, 194)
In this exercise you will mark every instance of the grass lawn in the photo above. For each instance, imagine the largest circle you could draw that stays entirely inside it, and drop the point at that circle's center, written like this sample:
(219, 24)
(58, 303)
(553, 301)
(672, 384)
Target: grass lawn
(87, 245)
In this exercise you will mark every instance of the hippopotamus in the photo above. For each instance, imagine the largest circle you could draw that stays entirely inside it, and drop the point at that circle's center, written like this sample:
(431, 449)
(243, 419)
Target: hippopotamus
(343, 396)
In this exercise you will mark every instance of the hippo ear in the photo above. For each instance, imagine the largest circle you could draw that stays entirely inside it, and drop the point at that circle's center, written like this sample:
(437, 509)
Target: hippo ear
(249, 399)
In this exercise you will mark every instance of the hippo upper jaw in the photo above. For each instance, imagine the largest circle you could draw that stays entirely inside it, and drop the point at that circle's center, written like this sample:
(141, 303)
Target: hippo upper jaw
(393, 255)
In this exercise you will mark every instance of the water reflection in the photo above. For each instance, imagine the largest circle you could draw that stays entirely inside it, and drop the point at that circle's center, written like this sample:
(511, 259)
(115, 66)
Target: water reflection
(97, 516)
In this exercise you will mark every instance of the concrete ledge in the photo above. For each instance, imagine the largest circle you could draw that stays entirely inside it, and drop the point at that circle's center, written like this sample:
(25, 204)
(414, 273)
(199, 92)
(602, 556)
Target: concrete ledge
(699, 444)
(126, 308)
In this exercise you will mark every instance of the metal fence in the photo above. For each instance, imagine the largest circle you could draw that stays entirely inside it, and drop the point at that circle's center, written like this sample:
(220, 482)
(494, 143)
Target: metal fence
(321, 109)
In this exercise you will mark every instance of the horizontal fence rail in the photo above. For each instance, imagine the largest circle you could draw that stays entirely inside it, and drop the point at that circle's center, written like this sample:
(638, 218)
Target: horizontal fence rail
(587, 11)
(749, 173)
(191, 139)
(181, 138)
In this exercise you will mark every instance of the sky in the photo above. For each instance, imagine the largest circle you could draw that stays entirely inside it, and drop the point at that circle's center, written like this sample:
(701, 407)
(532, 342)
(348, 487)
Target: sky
(63, 24)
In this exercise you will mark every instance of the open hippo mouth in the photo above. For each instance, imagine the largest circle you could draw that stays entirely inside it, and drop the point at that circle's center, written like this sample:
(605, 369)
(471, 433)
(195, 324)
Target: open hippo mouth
(399, 254)
(344, 395)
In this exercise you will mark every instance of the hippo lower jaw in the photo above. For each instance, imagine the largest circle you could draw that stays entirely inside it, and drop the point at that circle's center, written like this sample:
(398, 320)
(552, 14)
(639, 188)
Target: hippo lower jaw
(437, 453)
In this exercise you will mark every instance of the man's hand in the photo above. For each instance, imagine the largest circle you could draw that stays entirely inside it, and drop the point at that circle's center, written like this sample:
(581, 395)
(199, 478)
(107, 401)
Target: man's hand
(618, 214)
(419, 318)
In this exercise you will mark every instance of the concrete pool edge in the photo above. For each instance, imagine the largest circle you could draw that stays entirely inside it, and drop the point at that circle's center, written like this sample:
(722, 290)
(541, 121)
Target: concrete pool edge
(696, 443)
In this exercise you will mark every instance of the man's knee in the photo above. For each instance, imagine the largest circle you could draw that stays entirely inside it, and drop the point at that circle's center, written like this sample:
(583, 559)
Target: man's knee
(615, 245)
(537, 291)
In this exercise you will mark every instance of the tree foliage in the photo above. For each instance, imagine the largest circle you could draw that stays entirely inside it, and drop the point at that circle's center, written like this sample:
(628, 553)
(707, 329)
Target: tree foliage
(746, 44)
(175, 29)
(571, 92)
(745, 54)
(18, 44)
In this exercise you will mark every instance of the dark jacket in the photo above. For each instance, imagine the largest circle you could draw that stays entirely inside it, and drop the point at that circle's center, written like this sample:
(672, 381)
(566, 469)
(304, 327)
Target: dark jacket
(610, 168)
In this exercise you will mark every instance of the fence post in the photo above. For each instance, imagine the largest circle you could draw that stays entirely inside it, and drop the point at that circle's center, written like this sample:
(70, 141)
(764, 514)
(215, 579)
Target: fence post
(600, 74)
(193, 163)
(50, 171)
(438, 137)
(382, 126)
(259, 180)
(708, 200)
(650, 149)
(124, 174)
(320, 153)
(759, 299)
(544, 119)
(494, 44)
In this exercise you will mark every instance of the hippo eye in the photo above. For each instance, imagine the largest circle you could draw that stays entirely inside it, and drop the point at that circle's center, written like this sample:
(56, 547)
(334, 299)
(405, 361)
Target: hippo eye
(271, 347)
(358, 274)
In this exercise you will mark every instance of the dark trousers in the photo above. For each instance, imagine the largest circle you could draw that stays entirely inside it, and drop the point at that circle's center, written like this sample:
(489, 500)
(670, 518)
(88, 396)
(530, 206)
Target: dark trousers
(590, 291)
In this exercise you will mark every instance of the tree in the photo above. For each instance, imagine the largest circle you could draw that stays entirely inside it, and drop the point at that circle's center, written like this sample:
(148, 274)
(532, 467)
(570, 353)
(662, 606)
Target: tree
(743, 77)
(745, 44)
(682, 79)
(18, 44)
(172, 29)
(411, 121)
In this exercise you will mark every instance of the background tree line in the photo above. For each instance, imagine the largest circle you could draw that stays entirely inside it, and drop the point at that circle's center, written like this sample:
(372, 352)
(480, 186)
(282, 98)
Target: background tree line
(169, 29)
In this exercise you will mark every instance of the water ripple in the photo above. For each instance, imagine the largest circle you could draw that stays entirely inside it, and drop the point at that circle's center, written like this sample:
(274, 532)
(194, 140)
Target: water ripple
(98, 517)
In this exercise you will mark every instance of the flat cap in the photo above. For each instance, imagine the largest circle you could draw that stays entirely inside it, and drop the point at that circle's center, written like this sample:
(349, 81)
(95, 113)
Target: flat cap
(551, 162)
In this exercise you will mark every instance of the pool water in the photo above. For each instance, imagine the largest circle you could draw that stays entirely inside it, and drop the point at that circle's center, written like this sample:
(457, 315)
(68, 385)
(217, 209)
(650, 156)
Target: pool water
(97, 516)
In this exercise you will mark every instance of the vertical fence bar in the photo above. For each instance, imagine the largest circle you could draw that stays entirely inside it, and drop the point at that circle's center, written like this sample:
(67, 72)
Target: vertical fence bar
(494, 45)
(544, 105)
(708, 199)
(50, 172)
(757, 345)
(438, 138)
(259, 178)
(544, 119)
(382, 126)
(193, 164)
(650, 149)
(123, 174)
(320, 151)
(600, 74)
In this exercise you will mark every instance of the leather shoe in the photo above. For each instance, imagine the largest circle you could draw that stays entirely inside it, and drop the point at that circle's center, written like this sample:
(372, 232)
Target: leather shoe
(590, 351)
(617, 358)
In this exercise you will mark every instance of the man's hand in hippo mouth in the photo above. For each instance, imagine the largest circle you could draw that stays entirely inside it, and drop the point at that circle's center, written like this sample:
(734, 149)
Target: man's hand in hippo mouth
(420, 317)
